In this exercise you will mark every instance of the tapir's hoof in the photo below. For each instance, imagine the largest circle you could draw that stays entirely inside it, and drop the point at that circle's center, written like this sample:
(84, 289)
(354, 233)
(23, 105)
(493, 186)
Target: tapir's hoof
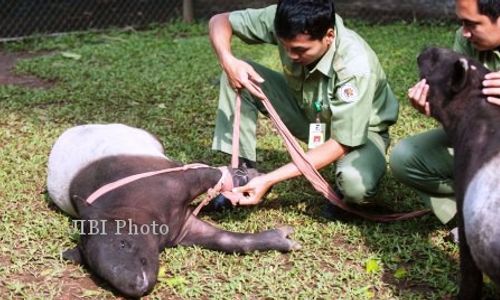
(284, 232)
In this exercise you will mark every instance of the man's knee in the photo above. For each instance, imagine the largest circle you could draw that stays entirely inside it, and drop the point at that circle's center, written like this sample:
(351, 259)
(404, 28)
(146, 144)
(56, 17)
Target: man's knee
(355, 188)
(402, 159)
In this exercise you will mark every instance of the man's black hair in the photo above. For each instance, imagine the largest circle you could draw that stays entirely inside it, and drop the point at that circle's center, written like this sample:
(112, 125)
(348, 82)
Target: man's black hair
(312, 17)
(490, 8)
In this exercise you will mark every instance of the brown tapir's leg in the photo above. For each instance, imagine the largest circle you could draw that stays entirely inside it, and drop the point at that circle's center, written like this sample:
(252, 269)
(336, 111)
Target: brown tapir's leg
(472, 278)
(205, 235)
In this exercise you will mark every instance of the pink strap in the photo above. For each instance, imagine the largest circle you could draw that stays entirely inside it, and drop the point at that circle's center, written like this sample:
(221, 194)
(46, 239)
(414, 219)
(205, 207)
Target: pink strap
(236, 132)
(221, 185)
(121, 182)
(307, 169)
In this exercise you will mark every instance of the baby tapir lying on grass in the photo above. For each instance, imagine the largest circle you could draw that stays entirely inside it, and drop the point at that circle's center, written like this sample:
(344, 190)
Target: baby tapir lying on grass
(472, 124)
(124, 230)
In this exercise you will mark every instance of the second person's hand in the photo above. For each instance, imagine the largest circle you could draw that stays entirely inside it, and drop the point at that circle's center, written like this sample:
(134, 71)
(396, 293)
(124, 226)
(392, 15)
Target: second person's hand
(418, 97)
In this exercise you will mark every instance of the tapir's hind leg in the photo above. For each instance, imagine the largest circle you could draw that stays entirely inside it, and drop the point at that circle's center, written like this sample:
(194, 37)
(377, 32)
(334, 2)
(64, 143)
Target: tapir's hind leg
(205, 235)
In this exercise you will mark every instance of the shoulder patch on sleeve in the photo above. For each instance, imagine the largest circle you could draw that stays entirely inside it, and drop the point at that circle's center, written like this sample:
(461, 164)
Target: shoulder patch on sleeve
(348, 93)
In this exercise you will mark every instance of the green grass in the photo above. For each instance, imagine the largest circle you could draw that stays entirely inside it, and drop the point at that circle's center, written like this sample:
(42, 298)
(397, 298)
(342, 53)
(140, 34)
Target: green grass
(165, 80)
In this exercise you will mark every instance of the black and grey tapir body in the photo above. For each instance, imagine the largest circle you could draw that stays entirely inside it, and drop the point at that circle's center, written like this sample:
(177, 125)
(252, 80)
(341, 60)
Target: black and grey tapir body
(138, 220)
(473, 127)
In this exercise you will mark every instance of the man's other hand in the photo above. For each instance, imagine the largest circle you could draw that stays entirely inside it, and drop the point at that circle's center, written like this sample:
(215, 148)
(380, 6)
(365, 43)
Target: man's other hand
(491, 88)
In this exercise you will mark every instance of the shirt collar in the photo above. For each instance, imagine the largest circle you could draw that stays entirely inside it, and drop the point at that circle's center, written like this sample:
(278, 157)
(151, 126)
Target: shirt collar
(497, 53)
(325, 64)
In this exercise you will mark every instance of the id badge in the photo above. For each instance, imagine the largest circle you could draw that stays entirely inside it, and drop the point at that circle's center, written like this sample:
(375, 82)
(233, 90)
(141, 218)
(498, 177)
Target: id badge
(316, 135)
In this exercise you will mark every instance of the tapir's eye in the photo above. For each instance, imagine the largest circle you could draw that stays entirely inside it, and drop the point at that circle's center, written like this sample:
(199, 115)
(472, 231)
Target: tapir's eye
(144, 261)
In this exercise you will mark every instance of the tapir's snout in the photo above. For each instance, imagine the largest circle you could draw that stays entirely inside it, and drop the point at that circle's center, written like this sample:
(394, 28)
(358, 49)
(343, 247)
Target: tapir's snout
(141, 285)
(133, 283)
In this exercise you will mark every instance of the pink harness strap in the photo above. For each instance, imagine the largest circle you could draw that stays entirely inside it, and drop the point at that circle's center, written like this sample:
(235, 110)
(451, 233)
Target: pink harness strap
(307, 169)
(211, 193)
(236, 133)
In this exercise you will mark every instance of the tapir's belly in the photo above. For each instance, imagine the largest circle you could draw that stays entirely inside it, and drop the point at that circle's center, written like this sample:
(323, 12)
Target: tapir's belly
(79, 146)
(481, 211)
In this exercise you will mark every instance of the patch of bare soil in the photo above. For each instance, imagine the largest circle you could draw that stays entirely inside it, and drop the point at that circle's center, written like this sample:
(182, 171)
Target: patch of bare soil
(71, 287)
(409, 285)
(7, 77)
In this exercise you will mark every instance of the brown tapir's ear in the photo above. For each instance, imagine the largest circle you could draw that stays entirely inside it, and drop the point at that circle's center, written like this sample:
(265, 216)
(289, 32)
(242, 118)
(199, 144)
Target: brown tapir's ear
(460, 74)
(73, 255)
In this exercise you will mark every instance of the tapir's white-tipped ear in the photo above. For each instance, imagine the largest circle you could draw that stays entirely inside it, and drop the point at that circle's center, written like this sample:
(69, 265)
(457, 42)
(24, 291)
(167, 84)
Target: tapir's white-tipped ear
(465, 63)
(460, 74)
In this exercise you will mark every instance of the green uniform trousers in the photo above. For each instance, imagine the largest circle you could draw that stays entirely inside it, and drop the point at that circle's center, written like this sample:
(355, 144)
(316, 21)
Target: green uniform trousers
(425, 163)
(357, 174)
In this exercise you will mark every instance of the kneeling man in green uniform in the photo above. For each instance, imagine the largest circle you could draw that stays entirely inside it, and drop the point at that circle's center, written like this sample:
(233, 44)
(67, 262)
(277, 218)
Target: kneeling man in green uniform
(333, 94)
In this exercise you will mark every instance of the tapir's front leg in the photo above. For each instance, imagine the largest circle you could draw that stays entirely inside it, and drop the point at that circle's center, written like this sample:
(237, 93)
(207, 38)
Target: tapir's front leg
(205, 235)
(472, 278)
(198, 181)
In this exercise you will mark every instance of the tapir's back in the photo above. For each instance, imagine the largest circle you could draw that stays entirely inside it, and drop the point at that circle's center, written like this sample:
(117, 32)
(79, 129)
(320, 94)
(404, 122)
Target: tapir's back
(79, 146)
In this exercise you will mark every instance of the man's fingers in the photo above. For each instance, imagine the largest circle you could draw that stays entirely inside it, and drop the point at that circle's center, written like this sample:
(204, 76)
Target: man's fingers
(423, 96)
(254, 89)
(414, 92)
(236, 86)
(254, 76)
(247, 200)
(233, 197)
(492, 75)
(491, 91)
(246, 195)
(241, 189)
(427, 109)
(251, 87)
(418, 96)
(494, 100)
(419, 92)
(491, 82)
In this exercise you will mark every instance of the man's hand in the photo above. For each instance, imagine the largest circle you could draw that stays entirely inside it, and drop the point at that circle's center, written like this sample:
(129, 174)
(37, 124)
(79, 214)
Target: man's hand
(491, 88)
(242, 75)
(418, 97)
(253, 191)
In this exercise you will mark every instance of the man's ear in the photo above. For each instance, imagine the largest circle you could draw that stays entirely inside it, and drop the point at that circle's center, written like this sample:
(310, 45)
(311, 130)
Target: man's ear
(460, 74)
(330, 36)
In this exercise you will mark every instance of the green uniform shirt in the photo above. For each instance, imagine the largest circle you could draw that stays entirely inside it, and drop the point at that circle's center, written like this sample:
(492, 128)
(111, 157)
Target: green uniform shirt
(348, 80)
(490, 59)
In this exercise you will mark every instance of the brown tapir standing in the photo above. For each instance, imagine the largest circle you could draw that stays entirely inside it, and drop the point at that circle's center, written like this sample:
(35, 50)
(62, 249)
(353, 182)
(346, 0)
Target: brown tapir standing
(124, 230)
(472, 124)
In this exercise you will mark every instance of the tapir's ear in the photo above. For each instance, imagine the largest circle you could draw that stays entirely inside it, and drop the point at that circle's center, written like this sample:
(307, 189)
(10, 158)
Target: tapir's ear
(73, 255)
(460, 74)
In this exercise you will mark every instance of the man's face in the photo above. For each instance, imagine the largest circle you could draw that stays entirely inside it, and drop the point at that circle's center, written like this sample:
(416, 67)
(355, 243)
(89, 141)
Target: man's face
(477, 28)
(306, 51)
